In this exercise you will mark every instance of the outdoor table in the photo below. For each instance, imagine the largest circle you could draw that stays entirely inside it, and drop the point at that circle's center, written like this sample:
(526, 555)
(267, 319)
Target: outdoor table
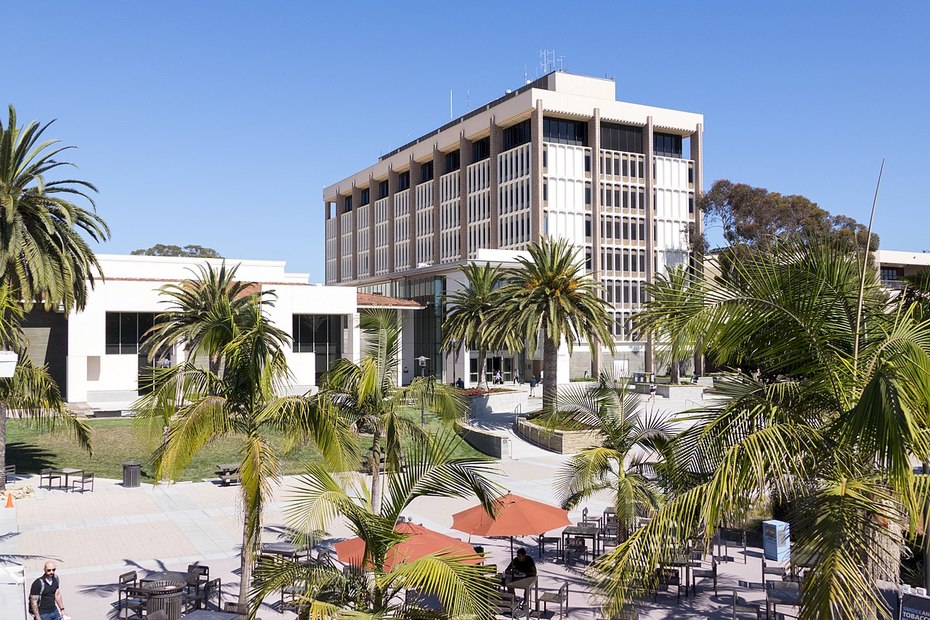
(583, 531)
(284, 549)
(66, 472)
(228, 473)
(526, 584)
(788, 594)
(204, 614)
(164, 596)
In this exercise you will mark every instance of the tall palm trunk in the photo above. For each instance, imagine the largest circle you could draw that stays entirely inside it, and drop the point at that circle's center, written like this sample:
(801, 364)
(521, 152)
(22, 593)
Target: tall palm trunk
(3, 446)
(675, 372)
(375, 465)
(247, 557)
(550, 369)
(482, 368)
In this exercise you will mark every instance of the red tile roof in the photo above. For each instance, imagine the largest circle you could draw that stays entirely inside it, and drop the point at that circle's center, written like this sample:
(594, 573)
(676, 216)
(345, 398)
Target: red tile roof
(372, 300)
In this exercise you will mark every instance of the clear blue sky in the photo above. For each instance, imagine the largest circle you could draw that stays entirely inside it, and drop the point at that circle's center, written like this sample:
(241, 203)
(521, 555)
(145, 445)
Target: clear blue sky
(219, 123)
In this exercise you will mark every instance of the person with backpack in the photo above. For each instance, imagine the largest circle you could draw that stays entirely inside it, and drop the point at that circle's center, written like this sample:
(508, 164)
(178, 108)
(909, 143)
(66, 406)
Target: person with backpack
(45, 596)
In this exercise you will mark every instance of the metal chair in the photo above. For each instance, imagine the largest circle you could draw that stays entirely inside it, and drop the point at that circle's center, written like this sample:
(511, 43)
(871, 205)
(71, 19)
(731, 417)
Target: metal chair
(202, 595)
(136, 601)
(126, 581)
(83, 480)
(727, 537)
(560, 597)
(9, 472)
(49, 474)
(743, 610)
(710, 573)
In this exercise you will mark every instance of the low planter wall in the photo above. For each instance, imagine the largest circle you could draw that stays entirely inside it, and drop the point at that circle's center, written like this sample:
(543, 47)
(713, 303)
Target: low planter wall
(503, 402)
(681, 391)
(486, 442)
(560, 442)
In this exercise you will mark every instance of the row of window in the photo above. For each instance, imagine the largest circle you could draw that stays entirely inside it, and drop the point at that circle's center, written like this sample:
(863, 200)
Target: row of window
(623, 259)
(629, 292)
(623, 228)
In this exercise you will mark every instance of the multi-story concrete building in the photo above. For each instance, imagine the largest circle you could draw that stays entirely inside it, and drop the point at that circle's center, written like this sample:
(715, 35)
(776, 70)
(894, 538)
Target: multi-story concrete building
(895, 265)
(558, 157)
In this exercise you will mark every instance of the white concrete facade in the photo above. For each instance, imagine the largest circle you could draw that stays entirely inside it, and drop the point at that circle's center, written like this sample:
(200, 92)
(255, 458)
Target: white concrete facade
(132, 284)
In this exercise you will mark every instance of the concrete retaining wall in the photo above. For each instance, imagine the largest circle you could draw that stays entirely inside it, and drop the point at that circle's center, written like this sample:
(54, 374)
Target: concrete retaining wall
(561, 442)
(485, 442)
(504, 402)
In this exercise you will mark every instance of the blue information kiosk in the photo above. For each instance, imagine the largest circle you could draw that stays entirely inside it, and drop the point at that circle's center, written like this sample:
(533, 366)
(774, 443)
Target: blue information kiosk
(776, 540)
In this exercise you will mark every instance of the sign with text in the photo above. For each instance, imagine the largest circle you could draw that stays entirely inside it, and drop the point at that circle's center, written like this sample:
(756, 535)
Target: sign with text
(915, 607)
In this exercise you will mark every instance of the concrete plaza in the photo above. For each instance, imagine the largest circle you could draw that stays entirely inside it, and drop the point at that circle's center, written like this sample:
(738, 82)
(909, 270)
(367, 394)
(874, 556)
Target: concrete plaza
(98, 535)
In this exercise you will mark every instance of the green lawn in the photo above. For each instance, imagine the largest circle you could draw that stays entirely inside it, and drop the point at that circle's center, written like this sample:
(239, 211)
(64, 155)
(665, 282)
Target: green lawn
(119, 440)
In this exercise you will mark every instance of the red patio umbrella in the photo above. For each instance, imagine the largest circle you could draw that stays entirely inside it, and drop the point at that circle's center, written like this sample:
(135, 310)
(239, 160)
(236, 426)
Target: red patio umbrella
(421, 542)
(516, 516)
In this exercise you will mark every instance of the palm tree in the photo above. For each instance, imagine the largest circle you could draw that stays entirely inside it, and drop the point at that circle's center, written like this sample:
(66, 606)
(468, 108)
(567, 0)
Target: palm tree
(827, 430)
(550, 296)
(199, 405)
(625, 461)
(470, 312)
(366, 394)
(44, 256)
(202, 314)
(431, 470)
(672, 298)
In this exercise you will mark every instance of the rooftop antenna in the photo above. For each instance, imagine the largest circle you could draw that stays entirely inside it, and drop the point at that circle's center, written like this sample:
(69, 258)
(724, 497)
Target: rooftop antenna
(560, 59)
(526, 80)
(547, 61)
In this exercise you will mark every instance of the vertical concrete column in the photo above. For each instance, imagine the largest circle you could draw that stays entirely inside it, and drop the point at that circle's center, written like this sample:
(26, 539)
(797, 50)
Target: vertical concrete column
(466, 158)
(412, 202)
(648, 144)
(594, 142)
(353, 222)
(392, 189)
(697, 155)
(537, 179)
(372, 199)
(494, 194)
(338, 215)
(439, 168)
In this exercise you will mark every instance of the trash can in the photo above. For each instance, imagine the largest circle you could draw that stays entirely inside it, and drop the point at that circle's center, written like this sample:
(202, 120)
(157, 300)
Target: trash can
(132, 472)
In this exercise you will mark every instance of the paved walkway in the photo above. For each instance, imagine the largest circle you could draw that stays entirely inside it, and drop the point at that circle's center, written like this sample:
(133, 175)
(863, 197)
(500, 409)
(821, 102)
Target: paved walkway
(97, 535)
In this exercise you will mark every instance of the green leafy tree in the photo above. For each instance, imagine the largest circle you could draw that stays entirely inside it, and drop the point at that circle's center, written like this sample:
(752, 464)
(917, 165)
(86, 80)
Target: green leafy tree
(44, 256)
(551, 297)
(625, 461)
(827, 428)
(240, 400)
(432, 470)
(471, 309)
(191, 250)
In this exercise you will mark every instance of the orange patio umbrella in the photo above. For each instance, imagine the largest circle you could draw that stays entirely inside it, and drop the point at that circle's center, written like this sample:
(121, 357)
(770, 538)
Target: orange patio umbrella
(516, 516)
(421, 541)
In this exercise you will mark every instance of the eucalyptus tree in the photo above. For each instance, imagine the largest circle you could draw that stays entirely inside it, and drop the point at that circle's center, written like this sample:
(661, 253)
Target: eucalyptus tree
(240, 399)
(828, 427)
(44, 256)
(551, 297)
(627, 450)
(375, 589)
(470, 312)
(367, 395)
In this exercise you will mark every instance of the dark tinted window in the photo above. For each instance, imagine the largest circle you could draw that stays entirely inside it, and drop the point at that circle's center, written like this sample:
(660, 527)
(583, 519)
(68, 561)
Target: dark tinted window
(125, 331)
(383, 189)
(516, 135)
(481, 149)
(565, 132)
(666, 145)
(347, 204)
(453, 162)
(365, 198)
(403, 181)
(625, 138)
(426, 172)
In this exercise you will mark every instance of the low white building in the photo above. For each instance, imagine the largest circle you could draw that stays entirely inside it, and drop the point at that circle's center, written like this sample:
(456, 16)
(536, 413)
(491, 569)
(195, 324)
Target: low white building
(94, 354)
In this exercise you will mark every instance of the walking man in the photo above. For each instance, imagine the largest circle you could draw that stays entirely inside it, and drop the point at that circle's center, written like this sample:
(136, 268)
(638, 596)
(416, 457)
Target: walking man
(45, 595)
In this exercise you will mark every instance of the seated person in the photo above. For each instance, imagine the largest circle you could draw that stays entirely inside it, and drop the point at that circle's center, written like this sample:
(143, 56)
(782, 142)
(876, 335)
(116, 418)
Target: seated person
(520, 567)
